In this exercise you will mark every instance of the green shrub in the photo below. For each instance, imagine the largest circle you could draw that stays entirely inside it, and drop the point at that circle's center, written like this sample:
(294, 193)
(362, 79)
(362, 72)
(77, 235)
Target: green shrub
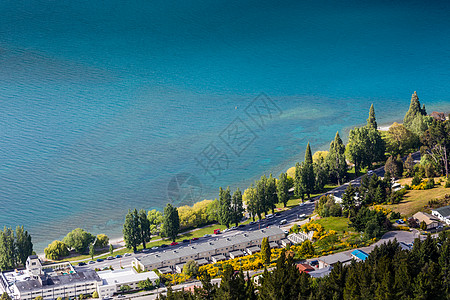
(447, 183)
(416, 180)
(429, 184)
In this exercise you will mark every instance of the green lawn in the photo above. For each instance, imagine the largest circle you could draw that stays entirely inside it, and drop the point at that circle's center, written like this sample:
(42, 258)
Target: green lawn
(339, 224)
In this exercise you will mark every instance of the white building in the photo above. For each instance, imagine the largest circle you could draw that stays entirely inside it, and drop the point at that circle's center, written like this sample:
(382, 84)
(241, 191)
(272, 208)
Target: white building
(112, 281)
(442, 213)
(50, 282)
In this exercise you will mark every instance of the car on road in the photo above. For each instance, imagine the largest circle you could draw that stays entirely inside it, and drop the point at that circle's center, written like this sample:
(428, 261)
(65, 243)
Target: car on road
(82, 264)
(302, 203)
(286, 232)
(282, 222)
(118, 256)
(145, 250)
(163, 246)
(233, 228)
(269, 216)
(127, 254)
(121, 296)
(110, 258)
(99, 260)
(252, 223)
(207, 235)
(370, 172)
(155, 248)
(301, 216)
(173, 244)
(216, 231)
(241, 226)
(91, 262)
(186, 241)
(195, 239)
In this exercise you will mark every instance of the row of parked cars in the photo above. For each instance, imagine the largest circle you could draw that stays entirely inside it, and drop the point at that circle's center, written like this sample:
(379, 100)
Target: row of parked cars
(100, 259)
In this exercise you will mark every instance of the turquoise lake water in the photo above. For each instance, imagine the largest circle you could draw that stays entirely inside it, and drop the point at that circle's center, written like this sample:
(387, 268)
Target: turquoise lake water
(107, 105)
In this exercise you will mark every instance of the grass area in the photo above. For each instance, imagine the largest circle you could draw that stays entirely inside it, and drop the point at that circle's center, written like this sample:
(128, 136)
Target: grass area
(416, 200)
(339, 224)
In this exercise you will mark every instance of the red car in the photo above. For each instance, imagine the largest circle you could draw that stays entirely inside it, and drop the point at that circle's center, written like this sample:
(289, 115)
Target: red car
(194, 239)
(173, 244)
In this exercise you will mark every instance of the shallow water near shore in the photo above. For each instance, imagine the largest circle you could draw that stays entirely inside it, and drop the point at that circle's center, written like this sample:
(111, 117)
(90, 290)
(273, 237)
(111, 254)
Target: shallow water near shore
(105, 107)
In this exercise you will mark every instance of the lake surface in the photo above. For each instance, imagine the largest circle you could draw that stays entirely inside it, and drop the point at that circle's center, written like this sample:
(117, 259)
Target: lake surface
(108, 106)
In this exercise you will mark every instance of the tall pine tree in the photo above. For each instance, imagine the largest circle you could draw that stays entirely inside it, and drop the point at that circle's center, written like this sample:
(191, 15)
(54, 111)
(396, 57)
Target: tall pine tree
(237, 207)
(283, 189)
(225, 217)
(371, 121)
(308, 172)
(336, 159)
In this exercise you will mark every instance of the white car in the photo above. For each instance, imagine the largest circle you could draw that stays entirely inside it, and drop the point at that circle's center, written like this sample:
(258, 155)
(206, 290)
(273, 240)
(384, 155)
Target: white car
(370, 172)
(127, 254)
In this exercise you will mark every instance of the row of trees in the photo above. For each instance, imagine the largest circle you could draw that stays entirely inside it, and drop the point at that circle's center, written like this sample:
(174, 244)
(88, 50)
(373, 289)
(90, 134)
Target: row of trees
(15, 247)
(78, 240)
(388, 273)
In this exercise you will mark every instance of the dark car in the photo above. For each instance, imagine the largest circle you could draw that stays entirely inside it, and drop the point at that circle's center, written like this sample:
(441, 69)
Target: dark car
(242, 225)
(194, 239)
(99, 260)
(118, 256)
(82, 264)
(163, 246)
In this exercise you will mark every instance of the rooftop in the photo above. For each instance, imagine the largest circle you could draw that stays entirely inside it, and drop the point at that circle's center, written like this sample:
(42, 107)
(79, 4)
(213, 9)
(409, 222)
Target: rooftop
(334, 258)
(29, 284)
(444, 211)
(123, 276)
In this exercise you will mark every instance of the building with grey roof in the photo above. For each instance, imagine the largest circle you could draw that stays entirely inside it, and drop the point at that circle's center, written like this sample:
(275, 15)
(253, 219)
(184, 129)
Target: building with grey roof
(443, 213)
(49, 282)
(207, 250)
(330, 260)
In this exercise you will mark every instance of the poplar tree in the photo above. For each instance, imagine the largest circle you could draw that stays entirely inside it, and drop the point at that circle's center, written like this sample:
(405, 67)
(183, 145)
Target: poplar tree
(131, 231)
(265, 251)
(283, 189)
(24, 246)
(237, 207)
(271, 191)
(171, 222)
(7, 249)
(371, 121)
(308, 172)
(336, 159)
(225, 217)
(261, 193)
(299, 190)
(144, 228)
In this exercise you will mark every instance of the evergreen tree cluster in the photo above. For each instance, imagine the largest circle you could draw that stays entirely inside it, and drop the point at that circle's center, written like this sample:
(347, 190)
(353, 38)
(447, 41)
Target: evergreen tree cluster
(15, 247)
(388, 273)
(136, 229)
(231, 208)
(262, 195)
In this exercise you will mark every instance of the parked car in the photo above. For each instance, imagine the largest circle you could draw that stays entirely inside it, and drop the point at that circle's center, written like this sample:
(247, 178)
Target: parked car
(207, 235)
(185, 241)
(370, 172)
(195, 239)
(127, 254)
(400, 221)
(241, 226)
(155, 248)
(301, 216)
(145, 250)
(99, 260)
(82, 264)
(286, 232)
(269, 216)
(118, 256)
(252, 223)
(282, 222)
(91, 262)
(163, 246)
(110, 258)
(173, 244)
(233, 228)
(216, 231)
